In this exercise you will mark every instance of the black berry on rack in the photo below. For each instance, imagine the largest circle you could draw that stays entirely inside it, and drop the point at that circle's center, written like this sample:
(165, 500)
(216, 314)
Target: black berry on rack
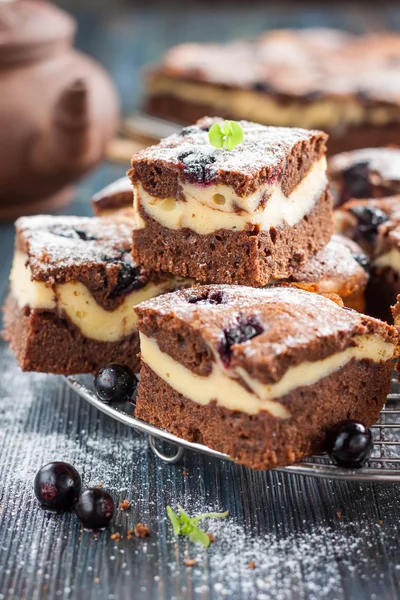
(57, 486)
(95, 509)
(115, 384)
(349, 444)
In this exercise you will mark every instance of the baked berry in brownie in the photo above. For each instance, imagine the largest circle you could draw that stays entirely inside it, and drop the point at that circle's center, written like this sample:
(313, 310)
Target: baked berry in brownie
(340, 268)
(313, 78)
(245, 216)
(365, 173)
(73, 288)
(360, 220)
(116, 198)
(260, 374)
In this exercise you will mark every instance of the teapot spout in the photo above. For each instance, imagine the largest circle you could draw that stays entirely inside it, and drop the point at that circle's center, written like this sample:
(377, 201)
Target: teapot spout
(66, 141)
(71, 122)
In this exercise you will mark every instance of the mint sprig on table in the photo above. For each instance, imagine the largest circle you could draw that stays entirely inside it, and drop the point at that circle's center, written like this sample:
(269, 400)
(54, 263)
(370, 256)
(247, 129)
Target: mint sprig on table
(185, 525)
(227, 135)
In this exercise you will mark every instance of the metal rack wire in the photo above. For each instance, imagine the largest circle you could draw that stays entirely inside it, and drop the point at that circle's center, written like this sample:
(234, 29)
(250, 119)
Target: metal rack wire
(384, 464)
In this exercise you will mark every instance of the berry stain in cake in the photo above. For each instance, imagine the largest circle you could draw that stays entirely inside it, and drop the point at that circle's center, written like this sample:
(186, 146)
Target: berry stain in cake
(197, 166)
(369, 219)
(246, 329)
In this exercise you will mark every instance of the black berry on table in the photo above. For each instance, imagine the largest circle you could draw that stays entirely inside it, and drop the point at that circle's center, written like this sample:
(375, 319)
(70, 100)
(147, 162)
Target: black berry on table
(115, 383)
(349, 444)
(57, 486)
(95, 509)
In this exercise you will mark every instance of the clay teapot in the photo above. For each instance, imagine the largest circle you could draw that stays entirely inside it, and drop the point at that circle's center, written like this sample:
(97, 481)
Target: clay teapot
(58, 108)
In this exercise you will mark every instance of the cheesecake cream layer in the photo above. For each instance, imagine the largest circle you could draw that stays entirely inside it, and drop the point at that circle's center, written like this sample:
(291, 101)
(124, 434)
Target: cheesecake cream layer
(262, 108)
(389, 259)
(74, 300)
(210, 208)
(222, 385)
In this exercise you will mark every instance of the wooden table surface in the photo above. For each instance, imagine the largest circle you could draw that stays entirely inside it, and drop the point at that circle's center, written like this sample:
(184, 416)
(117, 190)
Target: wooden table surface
(309, 539)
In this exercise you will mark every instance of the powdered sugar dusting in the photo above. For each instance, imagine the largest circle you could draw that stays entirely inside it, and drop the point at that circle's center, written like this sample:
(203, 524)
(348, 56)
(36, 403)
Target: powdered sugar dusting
(384, 162)
(262, 147)
(65, 242)
(309, 64)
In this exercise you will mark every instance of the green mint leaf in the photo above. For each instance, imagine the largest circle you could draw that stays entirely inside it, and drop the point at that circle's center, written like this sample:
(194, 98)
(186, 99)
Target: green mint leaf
(216, 136)
(173, 517)
(227, 127)
(237, 133)
(184, 516)
(197, 535)
(211, 515)
(228, 135)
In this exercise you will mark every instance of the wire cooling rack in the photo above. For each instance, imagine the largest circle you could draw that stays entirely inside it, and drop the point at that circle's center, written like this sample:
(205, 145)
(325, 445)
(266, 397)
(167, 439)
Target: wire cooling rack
(384, 464)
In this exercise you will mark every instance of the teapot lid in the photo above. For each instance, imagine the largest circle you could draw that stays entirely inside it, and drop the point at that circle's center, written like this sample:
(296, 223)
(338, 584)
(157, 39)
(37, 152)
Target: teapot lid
(32, 29)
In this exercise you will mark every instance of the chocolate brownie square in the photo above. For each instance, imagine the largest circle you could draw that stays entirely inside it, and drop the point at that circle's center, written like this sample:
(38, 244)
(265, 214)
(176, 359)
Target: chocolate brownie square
(73, 288)
(341, 268)
(244, 216)
(260, 374)
(315, 78)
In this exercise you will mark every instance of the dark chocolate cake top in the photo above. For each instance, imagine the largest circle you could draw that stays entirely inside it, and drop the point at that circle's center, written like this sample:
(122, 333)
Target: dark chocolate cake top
(92, 250)
(116, 195)
(368, 172)
(263, 330)
(265, 155)
(309, 64)
(342, 262)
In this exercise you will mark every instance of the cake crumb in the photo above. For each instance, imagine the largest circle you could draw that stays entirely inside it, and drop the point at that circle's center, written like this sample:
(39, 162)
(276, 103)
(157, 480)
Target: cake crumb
(380, 522)
(125, 504)
(189, 562)
(96, 580)
(142, 531)
(339, 514)
(99, 485)
(211, 537)
(185, 473)
(116, 536)
(131, 534)
(45, 588)
(252, 565)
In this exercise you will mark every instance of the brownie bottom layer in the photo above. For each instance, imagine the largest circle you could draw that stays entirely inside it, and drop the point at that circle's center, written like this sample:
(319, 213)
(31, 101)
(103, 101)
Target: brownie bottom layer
(381, 293)
(43, 341)
(363, 136)
(358, 391)
(244, 257)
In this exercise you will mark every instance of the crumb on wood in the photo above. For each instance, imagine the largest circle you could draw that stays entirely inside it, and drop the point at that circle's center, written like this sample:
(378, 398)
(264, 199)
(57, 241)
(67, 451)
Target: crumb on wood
(380, 522)
(211, 537)
(96, 579)
(189, 562)
(125, 504)
(45, 588)
(252, 565)
(116, 536)
(131, 534)
(142, 531)
(100, 485)
(185, 473)
(339, 514)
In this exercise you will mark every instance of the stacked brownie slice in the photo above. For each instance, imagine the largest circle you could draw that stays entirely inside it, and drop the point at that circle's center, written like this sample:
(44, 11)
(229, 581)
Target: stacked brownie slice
(244, 216)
